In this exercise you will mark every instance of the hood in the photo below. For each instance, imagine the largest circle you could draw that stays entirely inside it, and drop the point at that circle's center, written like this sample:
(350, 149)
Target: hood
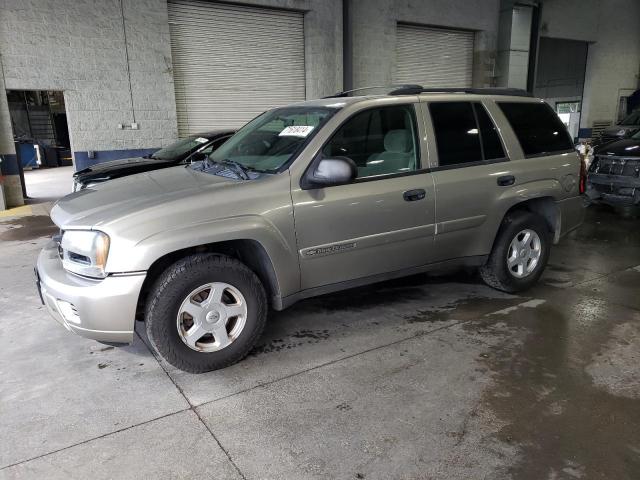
(120, 163)
(620, 130)
(135, 197)
(621, 148)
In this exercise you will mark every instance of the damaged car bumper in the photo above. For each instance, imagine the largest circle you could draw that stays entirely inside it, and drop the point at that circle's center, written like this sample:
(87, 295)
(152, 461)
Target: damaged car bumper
(614, 180)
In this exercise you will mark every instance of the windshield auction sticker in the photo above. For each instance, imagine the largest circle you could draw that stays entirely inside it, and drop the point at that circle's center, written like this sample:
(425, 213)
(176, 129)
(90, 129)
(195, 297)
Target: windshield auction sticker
(296, 131)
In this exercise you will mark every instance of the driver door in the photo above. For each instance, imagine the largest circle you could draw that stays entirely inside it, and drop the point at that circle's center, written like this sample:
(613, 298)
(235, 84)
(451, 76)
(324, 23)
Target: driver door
(383, 222)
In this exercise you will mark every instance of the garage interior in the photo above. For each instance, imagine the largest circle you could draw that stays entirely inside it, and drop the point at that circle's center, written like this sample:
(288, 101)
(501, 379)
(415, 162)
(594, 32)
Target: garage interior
(433, 376)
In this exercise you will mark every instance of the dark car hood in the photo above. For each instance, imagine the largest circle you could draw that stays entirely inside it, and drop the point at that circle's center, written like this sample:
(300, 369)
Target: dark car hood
(628, 147)
(118, 168)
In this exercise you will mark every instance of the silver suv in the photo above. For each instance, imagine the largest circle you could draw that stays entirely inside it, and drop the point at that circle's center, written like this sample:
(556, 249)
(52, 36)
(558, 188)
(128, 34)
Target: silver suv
(309, 199)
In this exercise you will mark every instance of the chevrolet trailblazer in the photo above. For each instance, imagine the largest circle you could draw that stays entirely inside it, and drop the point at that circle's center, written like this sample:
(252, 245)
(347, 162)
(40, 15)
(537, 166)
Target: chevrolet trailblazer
(309, 199)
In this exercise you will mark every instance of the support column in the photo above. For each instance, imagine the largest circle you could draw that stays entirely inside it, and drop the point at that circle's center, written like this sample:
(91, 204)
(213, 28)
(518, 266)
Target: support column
(11, 184)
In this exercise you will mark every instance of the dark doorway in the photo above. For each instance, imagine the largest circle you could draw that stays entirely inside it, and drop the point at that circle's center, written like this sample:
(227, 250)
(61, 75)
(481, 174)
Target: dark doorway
(560, 78)
(41, 137)
(40, 131)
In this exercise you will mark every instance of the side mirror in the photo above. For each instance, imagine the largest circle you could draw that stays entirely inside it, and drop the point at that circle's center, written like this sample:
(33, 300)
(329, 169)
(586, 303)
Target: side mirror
(330, 172)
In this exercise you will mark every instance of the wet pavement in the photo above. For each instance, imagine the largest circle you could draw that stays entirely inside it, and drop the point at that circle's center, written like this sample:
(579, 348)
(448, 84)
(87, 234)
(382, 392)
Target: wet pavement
(420, 378)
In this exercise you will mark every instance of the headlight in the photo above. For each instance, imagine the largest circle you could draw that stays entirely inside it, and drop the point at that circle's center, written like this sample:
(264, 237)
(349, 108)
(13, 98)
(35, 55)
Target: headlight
(85, 252)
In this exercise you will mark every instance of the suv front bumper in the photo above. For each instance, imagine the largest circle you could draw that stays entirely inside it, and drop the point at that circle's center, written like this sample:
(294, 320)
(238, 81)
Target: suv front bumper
(102, 310)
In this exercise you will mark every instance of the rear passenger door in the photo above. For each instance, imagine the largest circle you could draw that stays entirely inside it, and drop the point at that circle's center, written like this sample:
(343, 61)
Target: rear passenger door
(470, 172)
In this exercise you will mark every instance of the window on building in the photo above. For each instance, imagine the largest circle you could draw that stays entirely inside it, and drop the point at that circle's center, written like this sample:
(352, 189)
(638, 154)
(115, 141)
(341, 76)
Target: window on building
(538, 128)
(381, 141)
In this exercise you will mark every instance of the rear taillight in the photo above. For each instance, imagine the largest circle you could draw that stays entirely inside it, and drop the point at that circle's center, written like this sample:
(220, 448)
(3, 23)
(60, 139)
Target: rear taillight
(583, 177)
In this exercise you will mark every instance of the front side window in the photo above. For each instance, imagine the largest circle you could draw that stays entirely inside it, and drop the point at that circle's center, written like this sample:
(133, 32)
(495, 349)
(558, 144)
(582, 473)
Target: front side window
(538, 128)
(381, 141)
(269, 141)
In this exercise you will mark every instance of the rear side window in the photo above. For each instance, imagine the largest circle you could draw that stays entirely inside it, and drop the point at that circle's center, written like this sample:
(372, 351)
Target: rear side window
(491, 144)
(464, 133)
(538, 128)
(456, 133)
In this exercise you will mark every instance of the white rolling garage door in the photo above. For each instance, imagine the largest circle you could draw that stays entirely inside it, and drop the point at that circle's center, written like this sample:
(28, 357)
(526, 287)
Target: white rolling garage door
(433, 57)
(230, 63)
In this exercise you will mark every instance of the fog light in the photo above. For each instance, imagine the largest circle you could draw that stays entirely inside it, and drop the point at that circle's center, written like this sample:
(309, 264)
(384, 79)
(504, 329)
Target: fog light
(68, 311)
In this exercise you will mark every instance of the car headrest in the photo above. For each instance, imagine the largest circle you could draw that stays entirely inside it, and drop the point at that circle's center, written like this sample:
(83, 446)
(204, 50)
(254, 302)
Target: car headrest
(397, 141)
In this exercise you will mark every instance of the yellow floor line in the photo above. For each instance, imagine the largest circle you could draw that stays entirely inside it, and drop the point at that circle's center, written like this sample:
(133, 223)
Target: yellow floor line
(17, 211)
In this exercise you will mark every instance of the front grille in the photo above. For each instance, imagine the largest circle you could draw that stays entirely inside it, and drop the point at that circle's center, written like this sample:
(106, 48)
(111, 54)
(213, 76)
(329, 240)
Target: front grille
(622, 166)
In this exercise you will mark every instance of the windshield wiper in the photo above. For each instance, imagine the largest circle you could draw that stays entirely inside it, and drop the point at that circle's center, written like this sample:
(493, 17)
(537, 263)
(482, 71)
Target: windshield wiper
(238, 168)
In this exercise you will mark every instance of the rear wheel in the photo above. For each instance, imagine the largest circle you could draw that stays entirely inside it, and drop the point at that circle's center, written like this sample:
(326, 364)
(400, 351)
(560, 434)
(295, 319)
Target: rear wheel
(520, 253)
(206, 312)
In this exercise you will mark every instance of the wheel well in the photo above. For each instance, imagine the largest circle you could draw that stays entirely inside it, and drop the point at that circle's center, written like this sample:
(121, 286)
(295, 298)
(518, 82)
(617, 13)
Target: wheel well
(545, 207)
(249, 252)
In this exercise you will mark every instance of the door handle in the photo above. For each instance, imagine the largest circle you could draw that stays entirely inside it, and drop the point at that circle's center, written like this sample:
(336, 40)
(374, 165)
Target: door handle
(413, 195)
(506, 180)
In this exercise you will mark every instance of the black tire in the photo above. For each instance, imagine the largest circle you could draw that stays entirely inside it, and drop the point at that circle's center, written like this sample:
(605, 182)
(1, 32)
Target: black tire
(175, 284)
(495, 272)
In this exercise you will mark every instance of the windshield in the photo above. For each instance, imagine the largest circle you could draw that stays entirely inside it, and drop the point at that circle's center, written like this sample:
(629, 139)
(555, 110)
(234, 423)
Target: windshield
(182, 147)
(632, 119)
(269, 141)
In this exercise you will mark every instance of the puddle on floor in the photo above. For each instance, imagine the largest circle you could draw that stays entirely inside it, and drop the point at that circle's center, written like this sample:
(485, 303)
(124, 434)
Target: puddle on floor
(563, 425)
(27, 228)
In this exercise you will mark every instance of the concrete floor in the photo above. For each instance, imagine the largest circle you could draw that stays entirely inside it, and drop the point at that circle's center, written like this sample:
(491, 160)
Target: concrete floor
(48, 184)
(422, 378)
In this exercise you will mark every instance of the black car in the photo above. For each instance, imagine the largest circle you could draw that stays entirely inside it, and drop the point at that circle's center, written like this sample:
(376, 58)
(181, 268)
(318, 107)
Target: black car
(186, 150)
(614, 174)
(628, 127)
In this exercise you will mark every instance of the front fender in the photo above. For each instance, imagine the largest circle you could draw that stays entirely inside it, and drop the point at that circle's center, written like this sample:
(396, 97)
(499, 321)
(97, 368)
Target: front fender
(141, 255)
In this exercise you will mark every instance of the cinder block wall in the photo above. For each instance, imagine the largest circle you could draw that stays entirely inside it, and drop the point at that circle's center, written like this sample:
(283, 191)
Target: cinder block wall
(78, 46)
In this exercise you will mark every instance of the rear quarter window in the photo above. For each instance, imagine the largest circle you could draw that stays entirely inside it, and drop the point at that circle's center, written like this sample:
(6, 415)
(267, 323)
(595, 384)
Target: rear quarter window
(537, 127)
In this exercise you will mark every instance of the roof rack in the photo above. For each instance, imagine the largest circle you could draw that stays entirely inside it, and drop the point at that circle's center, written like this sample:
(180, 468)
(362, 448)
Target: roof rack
(346, 93)
(417, 89)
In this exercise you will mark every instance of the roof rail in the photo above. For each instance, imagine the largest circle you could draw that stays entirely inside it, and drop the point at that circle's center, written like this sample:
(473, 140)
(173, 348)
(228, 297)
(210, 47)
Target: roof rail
(394, 88)
(417, 89)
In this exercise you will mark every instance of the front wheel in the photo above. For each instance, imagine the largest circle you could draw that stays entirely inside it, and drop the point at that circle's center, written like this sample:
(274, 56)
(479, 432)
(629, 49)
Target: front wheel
(520, 253)
(205, 312)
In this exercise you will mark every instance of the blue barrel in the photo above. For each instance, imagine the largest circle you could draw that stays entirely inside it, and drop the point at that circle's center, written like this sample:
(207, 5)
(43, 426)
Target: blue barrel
(27, 153)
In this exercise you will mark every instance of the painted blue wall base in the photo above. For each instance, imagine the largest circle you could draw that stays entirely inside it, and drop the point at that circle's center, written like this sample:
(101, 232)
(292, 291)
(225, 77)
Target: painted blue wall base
(9, 164)
(584, 133)
(82, 159)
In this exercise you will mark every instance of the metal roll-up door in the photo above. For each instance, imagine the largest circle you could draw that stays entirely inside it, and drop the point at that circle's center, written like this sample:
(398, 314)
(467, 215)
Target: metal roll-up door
(433, 57)
(231, 62)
